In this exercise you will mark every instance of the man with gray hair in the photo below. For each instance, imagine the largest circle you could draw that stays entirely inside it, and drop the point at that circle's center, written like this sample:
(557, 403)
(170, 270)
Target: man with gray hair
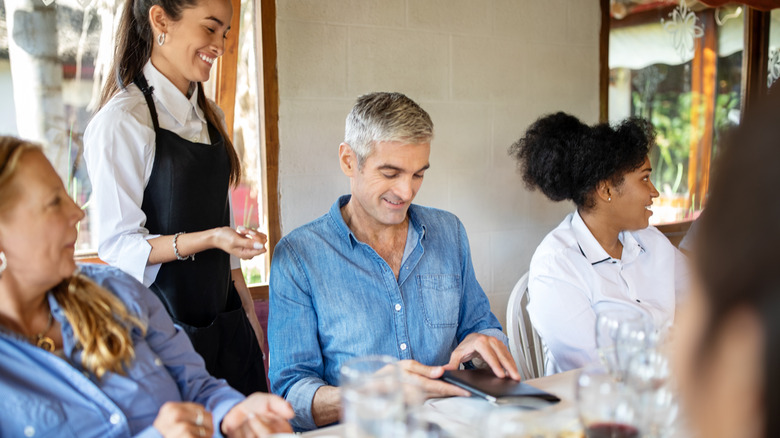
(377, 274)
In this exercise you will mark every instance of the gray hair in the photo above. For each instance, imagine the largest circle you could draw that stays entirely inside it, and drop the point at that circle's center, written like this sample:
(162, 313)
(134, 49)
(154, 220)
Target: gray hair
(385, 117)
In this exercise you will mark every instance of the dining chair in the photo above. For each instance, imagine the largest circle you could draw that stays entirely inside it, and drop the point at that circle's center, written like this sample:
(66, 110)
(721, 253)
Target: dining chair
(524, 343)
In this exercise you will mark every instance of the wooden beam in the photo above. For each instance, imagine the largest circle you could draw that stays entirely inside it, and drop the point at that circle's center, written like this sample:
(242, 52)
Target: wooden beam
(604, 62)
(227, 66)
(755, 58)
(270, 83)
(703, 78)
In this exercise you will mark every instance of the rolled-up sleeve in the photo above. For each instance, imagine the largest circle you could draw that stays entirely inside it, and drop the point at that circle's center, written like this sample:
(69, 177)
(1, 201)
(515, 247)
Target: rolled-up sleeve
(296, 369)
(119, 152)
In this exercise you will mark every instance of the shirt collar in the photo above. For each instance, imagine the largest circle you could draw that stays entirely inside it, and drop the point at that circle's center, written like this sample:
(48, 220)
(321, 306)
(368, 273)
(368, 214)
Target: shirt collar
(170, 98)
(346, 233)
(592, 249)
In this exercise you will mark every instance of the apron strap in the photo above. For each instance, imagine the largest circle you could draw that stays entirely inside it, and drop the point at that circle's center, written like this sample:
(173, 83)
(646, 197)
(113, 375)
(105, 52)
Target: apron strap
(140, 81)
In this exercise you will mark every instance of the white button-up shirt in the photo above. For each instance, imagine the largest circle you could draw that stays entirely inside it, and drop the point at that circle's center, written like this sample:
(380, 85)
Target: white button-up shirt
(572, 278)
(119, 148)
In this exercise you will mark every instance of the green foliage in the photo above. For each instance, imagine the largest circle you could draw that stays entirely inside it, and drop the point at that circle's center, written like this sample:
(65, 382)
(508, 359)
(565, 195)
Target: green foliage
(670, 113)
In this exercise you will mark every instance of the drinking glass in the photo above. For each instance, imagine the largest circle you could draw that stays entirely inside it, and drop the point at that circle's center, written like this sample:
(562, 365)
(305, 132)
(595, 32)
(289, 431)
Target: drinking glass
(608, 323)
(650, 375)
(631, 339)
(372, 398)
(607, 407)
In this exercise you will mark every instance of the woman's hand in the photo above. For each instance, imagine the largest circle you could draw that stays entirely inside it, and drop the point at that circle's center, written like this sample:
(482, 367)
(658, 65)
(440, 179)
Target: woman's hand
(258, 415)
(243, 243)
(188, 420)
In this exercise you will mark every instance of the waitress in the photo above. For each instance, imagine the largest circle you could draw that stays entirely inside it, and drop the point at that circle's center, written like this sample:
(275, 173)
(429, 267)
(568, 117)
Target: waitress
(161, 166)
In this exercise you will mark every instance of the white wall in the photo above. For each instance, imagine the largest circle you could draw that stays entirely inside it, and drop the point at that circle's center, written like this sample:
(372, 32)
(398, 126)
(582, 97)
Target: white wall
(484, 70)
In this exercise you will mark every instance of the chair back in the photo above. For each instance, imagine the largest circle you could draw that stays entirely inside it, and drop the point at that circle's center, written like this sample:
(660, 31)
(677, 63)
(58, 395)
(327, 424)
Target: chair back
(524, 343)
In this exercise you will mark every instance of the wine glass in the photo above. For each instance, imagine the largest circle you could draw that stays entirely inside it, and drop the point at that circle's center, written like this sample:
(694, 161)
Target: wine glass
(607, 407)
(650, 375)
(631, 339)
(608, 322)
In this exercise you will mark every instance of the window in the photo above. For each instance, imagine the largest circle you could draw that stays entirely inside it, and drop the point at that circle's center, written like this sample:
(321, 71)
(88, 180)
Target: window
(680, 65)
(52, 61)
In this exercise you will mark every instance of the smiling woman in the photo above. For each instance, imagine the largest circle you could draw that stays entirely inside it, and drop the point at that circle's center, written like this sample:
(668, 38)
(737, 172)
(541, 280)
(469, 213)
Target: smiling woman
(161, 165)
(603, 255)
(91, 352)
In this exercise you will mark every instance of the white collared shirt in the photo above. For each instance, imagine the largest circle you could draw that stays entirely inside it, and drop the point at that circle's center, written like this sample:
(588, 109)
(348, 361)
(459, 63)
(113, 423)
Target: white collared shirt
(572, 278)
(119, 147)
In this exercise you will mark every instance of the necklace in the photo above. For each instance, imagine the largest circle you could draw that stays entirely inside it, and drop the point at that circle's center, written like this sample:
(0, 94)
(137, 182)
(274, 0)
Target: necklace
(43, 341)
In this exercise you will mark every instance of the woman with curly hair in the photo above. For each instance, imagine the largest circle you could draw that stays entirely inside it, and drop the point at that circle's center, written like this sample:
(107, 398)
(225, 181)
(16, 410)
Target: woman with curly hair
(603, 255)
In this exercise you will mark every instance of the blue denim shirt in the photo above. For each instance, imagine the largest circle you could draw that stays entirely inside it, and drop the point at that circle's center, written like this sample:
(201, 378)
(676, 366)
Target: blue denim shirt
(45, 395)
(333, 298)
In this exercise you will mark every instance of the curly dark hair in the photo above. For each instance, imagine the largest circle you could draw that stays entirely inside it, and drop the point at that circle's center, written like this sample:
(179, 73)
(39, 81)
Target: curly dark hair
(567, 159)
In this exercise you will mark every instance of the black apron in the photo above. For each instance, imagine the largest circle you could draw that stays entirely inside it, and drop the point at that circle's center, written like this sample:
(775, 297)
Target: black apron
(188, 191)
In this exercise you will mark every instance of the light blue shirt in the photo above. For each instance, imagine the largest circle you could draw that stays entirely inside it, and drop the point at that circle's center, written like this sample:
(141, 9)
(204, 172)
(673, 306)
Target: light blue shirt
(333, 298)
(42, 394)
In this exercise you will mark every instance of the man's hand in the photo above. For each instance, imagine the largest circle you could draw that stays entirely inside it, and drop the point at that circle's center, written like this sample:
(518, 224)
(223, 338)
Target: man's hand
(427, 378)
(491, 350)
(258, 415)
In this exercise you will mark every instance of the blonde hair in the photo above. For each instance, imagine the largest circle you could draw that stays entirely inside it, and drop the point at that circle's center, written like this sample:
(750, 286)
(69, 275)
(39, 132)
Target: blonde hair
(100, 320)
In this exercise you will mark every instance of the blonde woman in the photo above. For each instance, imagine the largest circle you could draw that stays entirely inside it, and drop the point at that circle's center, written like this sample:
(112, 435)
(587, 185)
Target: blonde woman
(93, 353)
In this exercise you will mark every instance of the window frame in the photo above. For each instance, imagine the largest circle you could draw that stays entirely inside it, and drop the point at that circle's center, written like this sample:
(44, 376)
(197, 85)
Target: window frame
(754, 61)
(225, 96)
(754, 73)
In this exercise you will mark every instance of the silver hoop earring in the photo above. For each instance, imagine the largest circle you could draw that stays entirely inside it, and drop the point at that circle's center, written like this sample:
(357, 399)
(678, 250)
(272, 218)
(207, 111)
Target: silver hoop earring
(3, 262)
(161, 39)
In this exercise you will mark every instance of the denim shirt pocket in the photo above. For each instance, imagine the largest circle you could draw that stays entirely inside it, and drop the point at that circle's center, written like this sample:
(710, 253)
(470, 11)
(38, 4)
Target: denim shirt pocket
(440, 299)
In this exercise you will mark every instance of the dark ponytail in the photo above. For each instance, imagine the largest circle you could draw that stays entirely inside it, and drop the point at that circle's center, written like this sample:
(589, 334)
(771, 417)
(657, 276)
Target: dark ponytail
(134, 39)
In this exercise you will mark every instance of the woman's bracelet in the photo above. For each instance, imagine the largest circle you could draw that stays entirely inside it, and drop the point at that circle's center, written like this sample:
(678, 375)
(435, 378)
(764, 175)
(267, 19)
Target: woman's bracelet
(176, 250)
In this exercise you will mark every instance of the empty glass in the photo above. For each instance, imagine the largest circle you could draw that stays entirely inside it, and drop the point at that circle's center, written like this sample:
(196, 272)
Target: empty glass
(372, 398)
(649, 374)
(631, 339)
(608, 326)
(607, 407)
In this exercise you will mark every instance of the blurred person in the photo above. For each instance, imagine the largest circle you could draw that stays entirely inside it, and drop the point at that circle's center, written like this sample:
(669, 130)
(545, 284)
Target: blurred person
(378, 275)
(161, 166)
(603, 255)
(728, 338)
(89, 351)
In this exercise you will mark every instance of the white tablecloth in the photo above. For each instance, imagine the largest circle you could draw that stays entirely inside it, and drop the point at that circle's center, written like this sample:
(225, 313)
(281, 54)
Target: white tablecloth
(469, 416)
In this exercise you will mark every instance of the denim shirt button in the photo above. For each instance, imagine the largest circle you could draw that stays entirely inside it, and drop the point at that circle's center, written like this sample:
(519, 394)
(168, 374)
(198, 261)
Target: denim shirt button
(29, 431)
(114, 418)
(403, 346)
(397, 307)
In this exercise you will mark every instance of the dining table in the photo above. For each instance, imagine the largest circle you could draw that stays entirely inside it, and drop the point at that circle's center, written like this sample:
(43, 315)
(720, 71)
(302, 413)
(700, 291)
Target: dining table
(475, 416)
